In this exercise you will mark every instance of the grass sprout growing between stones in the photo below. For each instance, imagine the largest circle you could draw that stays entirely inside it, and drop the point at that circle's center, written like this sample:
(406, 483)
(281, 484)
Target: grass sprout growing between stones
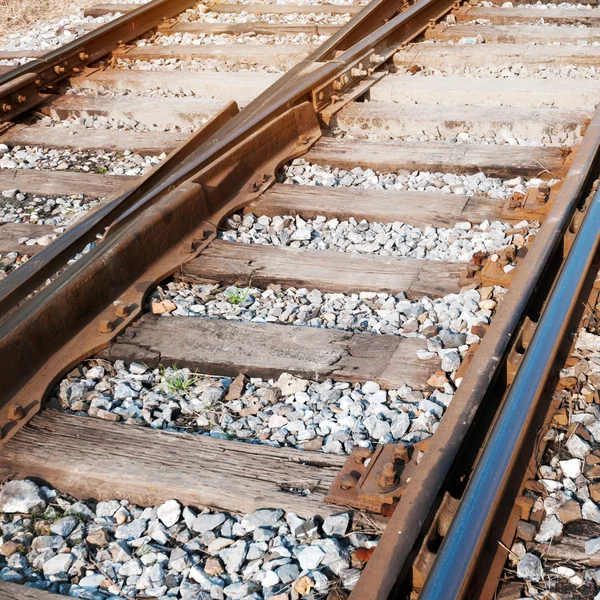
(178, 380)
(236, 295)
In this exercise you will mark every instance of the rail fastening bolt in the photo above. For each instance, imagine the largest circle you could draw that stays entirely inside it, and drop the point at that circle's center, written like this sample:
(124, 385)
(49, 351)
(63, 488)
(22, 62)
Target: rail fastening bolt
(105, 326)
(21, 98)
(15, 413)
(58, 69)
(6, 107)
(122, 311)
(361, 454)
(348, 481)
(401, 454)
(388, 475)
(83, 56)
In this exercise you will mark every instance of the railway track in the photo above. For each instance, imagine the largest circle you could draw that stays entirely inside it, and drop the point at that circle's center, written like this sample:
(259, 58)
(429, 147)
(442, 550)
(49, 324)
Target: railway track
(285, 288)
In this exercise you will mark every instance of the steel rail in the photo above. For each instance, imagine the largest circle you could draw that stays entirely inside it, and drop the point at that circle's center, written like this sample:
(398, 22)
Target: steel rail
(392, 558)
(457, 558)
(20, 87)
(291, 90)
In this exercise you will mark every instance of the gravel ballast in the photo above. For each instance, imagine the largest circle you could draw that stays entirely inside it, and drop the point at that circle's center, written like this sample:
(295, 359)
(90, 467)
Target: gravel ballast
(560, 556)
(53, 159)
(457, 243)
(115, 549)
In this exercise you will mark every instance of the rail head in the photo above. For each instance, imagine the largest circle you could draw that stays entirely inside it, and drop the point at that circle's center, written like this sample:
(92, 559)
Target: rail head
(392, 558)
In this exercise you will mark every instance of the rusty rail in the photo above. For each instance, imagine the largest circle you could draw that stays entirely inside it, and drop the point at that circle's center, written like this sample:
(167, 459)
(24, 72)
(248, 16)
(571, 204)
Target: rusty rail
(454, 567)
(20, 87)
(482, 387)
(298, 85)
(36, 335)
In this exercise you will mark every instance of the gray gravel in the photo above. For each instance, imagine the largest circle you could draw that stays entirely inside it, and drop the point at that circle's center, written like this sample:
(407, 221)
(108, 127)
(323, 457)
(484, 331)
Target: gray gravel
(51, 35)
(191, 39)
(175, 64)
(509, 71)
(122, 124)
(126, 163)
(61, 211)
(446, 322)
(11, 261)
(457, 243)
(329, 416)
(201, 14)
(115, 549)
(569, 503)
(302, 172)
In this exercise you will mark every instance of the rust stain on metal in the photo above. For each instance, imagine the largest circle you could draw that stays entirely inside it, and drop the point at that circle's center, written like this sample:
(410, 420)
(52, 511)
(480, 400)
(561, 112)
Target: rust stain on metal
(74, 316)
(375, 480)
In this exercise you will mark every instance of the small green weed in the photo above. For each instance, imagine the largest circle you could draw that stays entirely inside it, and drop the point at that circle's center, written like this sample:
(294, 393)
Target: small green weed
(236, 295)
(178, 380)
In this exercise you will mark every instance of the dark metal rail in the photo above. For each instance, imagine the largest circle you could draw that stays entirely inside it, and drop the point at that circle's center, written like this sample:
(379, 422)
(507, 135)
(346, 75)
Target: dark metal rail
(485, 380)
(378, 33)
(20, 87)
(456, 561)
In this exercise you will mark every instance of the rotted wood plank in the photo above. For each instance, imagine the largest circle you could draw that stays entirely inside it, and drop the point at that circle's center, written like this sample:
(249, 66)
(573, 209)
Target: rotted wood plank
(152, 112)
(242, 87)
(548, 12)
(239, 54)
(398, 120)
(80, 138)
(10, 233)
(488, 91)
(421, 209)
(464, 56)
(328, 271)
(258, 27)
(14, 591)
(220, 347)
(515, 34)
(91, 458)
(59, 183)
(493, 160)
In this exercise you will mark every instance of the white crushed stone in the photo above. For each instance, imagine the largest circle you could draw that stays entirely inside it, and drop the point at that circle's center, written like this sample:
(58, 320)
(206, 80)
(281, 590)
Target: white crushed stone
(115, 549)
(176, 64)
(457, 243)
(558, 135)
(569, 474)
(328, 416)
(316, 18)
(539, 5)
(43, 209)
(449, 324)
(114, 163)
(51, 35)
(122, 124)
(11, 261)
(302, 172)
(190, 39)
(303, 2)
(508, 71)
(14, 62)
